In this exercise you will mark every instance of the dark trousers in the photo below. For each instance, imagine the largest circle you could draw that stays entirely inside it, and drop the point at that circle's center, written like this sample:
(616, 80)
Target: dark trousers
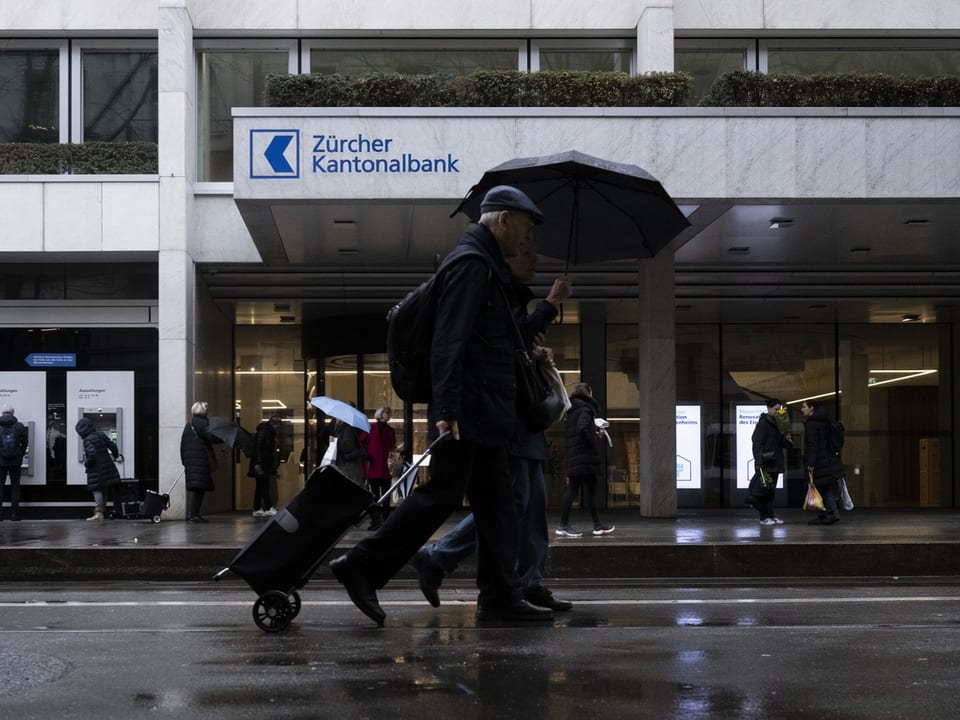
(455, 466)
(196, 500)
(262, 499)
(589, 483)
(378, 486)
(14, 472)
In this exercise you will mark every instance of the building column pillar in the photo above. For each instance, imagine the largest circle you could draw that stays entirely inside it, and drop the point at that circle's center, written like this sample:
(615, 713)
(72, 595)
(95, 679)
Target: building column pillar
(655, 37)
(657, 380)
(177, 282)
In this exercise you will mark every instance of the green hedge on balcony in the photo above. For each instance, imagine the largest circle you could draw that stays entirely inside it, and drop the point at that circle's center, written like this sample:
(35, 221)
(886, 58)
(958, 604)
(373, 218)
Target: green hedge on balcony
(505, 88)
(753, 89)
(93, 158)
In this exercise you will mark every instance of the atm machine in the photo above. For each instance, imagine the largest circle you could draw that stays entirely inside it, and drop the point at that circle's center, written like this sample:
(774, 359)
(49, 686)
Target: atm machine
(108, 421)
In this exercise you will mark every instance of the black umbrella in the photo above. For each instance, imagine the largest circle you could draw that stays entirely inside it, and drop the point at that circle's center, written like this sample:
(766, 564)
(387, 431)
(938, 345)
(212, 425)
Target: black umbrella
(232, 434)
(595, 209)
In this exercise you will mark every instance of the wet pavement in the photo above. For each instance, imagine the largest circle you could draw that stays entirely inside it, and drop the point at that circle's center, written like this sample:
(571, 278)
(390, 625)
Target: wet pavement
(627, 650)
(696, 544)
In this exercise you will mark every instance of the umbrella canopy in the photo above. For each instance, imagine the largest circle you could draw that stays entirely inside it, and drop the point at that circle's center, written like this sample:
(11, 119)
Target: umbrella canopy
(341, 411)
(232, 434)
(595, 209)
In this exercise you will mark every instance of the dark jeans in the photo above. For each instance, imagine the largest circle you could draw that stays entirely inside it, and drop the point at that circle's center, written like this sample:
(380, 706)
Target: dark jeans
(14, 472)
(261, 492)
(589, 483)
(455, 466)
(378, 486)
(765, 506)
(196, 500)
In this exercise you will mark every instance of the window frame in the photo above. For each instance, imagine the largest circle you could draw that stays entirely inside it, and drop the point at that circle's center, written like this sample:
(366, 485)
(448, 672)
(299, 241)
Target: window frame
(77, 48)
(505, 43)
(63, 72)
(587, 44)
(840, 43)
(748, 45)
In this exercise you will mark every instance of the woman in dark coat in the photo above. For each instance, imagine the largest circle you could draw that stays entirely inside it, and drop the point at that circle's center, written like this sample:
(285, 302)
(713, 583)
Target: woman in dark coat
(351, 449)
(583, 460)
(198, 458)
(819, 459)
(768, 444)
(99, 456)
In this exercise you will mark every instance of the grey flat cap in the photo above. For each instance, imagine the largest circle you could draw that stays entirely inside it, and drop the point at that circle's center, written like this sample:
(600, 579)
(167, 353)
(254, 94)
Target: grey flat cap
(504, 197)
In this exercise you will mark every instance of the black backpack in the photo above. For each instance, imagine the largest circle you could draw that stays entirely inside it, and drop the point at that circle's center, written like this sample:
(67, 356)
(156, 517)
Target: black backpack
(410, 334)
(835, 436)
(9, 447)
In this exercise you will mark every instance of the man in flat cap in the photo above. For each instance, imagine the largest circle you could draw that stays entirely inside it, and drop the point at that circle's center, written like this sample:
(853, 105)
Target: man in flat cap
(474, 397)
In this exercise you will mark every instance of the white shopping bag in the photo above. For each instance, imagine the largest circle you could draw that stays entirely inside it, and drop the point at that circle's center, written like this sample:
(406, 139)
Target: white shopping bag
(330, 456)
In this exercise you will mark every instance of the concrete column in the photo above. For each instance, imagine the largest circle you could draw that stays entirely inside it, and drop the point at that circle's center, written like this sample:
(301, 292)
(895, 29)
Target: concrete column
(177, 112)
(655, 37)
(657, 383)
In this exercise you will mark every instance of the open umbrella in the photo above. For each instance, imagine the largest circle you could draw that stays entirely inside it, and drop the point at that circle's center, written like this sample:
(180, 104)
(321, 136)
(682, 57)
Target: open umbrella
(341, 411)
(595, 209)
(231, 433)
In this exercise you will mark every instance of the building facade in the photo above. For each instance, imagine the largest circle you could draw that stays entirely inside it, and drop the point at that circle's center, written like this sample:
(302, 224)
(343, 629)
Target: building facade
(821, 260)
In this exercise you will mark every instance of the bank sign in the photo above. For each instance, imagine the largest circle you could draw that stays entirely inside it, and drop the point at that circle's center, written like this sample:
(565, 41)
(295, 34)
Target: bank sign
(276, 154)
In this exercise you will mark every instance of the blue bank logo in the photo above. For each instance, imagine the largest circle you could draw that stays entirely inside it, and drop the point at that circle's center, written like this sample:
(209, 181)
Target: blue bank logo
(274, 154)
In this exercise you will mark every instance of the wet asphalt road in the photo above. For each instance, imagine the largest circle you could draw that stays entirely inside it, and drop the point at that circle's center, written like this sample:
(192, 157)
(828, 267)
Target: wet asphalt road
(780, 650)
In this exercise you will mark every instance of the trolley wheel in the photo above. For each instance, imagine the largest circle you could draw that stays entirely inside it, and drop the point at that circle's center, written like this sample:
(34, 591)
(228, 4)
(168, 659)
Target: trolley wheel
(294, 599)
(156, 518)
(272, 611)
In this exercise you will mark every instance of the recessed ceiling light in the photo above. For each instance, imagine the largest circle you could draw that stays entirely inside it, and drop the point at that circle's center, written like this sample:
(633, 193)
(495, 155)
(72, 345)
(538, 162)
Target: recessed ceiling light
(917, 221)
(738, 250)
(819, 306)
(791, 317)
(780, 222)
(684, 307)
(862, 250)
(910, 317)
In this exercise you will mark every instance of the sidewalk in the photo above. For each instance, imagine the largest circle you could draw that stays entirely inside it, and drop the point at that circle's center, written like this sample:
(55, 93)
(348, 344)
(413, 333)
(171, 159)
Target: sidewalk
(697, 544)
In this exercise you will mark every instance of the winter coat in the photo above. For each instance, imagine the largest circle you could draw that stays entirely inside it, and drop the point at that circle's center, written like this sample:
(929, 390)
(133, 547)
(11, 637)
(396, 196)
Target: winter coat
(382, 440)
(826, 465)
(526, 444)
(264, 450)
(768, 444)
(8, 420)
(99, 455)
(583, 439)
(351, 450)
(196, 454)
(472, 353)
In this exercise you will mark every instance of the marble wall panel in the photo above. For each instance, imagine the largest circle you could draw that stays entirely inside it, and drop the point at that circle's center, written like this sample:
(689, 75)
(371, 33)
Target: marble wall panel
(220, 234)
(901, 157)
(131, 216)
(761, 157)
(947, 160)
(830, 157)
(21, 207)
(691, 156)
(873, 15)
(720, 14)
(72, 217)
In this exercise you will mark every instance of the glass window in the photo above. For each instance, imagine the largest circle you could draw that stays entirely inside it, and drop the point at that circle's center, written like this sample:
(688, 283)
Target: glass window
(229, 79)
(269, 379)
(587, 60)
(119, 96)
(707, 65)
(915, 59)
(564, 341)
(410, 62)
(623, 399)
(30, 88)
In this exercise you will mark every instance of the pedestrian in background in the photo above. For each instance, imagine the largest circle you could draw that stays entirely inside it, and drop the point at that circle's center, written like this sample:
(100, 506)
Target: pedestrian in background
(263, 466)
(100, 455)
(351, 449)
(768, 445)
(198, 458)
(13, 446)
(821, 462)
(382, 441)
(584, 461)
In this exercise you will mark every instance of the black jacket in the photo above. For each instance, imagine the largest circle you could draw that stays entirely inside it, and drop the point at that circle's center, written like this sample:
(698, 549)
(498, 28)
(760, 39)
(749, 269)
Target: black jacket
(768, 444)
(196, 454)
(816, 448)
(583, 439)
(472, 354)
(21, 432)
(264, 450)
(99, 453)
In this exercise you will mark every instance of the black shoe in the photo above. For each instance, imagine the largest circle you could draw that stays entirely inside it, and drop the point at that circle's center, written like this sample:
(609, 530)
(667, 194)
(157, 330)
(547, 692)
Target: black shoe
(197, 519)
(517, 611)
(541, 597)
(831, 517)
(359, 590)
(429, 575)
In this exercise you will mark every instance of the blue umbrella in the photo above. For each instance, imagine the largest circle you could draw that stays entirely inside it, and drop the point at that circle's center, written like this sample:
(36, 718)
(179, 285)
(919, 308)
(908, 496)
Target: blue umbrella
(341, 411)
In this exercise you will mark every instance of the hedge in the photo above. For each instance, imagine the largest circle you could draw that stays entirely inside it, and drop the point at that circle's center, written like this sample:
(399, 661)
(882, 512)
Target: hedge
(93, 158)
